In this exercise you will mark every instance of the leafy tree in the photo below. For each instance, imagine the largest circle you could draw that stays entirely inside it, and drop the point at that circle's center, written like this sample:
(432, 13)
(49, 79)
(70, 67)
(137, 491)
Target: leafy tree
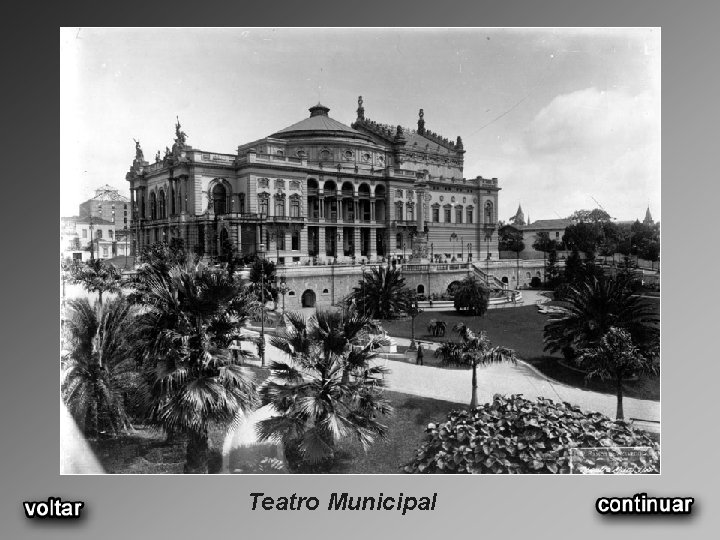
(515, 435)
(97, 276)
(584, 237)
(595, 215)
(327, 392)
(615, 358)
(545, 244)
(552, 270)
(574, 270)
(513, 241)
(592, 307)
(382, 293)
(651, 251)
(263, 271)
(471, 296)
(190, 381)
(100, 367)
(477, 349)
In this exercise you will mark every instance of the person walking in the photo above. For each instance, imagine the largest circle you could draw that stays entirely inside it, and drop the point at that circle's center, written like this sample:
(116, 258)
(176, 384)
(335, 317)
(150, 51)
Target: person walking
(419, 360)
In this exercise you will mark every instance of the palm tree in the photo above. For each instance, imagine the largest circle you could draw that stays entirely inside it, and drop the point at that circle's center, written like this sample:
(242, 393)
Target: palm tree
(592, 307)
(97, 276)
(100, 367)
(472, 296)
(616, 358)
(327, 391)
(477, 349)
(181, 339)
(382, 293)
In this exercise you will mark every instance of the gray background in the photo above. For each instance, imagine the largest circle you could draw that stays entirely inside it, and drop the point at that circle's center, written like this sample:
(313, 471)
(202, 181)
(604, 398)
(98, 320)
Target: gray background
(181, 507)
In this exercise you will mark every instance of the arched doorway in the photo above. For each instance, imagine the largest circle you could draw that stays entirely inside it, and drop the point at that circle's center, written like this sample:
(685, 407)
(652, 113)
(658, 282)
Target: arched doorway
(421, 289)
(505, 280)
(308, 298)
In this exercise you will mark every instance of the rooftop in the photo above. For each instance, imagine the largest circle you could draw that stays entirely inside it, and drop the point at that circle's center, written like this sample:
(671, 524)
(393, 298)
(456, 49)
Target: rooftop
(320, 123)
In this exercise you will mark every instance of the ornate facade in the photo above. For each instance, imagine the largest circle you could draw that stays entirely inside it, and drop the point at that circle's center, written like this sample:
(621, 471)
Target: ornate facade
(320, 191)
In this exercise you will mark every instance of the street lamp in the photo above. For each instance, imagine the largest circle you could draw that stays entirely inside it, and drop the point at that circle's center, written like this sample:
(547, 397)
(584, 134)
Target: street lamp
(413, 311)
(453, 237)
(283, 289)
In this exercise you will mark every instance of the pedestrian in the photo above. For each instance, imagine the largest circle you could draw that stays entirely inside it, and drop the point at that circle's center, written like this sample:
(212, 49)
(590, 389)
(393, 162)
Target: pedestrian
(419, 360)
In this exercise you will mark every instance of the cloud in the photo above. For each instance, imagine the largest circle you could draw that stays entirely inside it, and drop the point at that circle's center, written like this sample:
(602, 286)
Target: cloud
(585, 144)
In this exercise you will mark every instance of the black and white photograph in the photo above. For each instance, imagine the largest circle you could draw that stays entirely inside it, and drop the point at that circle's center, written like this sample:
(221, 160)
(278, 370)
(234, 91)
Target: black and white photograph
(360, 251)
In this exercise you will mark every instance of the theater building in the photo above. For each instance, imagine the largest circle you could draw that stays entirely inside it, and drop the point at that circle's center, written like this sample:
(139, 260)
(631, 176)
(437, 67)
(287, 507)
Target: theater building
(320, 192)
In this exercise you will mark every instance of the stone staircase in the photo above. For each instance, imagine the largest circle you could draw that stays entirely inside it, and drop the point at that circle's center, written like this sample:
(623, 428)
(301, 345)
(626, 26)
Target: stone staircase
(488, 278)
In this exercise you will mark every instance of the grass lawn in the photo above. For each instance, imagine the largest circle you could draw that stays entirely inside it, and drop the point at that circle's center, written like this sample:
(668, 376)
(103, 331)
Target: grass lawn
(520, 329)
(146, 452)
(406, 432)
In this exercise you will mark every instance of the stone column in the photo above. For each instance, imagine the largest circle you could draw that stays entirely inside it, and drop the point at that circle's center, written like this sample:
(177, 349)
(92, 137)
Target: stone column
(321, 243)
(321, 207)
(372, 209)
(372, 251)
(356, 241)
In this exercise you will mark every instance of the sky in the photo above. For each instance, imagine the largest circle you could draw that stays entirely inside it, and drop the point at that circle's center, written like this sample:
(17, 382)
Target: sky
(566, 119)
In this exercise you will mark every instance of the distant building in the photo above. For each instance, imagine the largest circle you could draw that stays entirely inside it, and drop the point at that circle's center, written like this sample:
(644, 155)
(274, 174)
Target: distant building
(101, 231)
(555, 229)
(83, 238)
(110, 205)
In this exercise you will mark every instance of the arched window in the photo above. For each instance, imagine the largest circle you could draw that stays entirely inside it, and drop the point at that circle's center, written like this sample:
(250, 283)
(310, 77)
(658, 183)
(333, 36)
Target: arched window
(172, 201)
(153, 206)
(162, 209)
(219, 197)
(489, 212)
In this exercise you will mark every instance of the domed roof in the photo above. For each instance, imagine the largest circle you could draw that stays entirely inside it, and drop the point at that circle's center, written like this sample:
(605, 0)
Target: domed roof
(319, 123)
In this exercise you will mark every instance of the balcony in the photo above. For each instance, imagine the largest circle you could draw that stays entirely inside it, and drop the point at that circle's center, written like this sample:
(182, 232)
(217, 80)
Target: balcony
(287, 219)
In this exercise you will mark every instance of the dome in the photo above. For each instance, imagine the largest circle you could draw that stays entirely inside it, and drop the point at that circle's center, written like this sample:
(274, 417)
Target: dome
(320, 124)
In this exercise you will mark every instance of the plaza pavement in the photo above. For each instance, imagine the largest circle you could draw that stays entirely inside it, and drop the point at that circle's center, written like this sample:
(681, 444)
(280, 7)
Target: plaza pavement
(454, 384)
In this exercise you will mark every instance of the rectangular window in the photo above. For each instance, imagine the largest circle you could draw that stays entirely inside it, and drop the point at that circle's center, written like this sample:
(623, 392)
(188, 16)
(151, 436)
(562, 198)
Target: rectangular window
(448, 215)
(436, 215)
(105, 251)
(98, 234)
(84, 233)
(469, 215)
(110, 234)
(557, 236)
(294, 208)
(411, 213)
(264, 206)
(458, 214)
(281, 242)
(296, 240)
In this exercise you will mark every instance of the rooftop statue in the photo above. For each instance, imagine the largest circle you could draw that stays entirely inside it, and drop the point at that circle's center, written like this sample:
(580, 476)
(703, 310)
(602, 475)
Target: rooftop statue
(138, 151)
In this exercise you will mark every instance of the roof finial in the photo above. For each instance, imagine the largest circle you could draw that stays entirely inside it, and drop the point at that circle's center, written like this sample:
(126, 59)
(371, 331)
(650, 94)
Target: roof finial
(360, 109)
(421, 122)
(459, 143)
